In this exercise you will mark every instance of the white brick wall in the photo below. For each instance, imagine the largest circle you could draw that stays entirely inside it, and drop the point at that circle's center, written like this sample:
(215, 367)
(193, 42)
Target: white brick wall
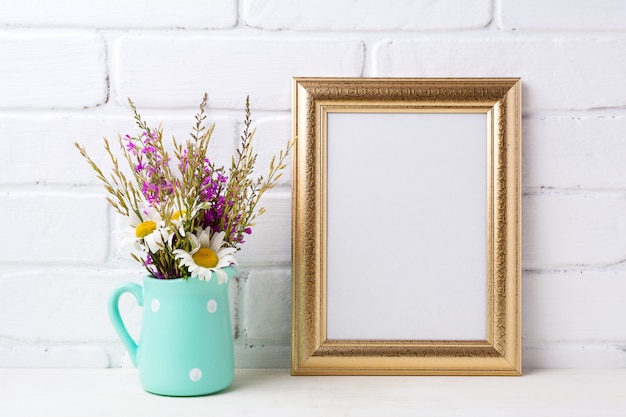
(558, 72)
(52, 70)
(575, 151)
(54, 226)
(553, 15)
(573, 229)
(367, 15)
(67, 70)
(261, 67)
(144, 14)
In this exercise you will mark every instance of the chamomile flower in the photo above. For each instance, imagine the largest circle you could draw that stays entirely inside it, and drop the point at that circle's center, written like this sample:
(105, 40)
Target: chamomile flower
(177, 220)
(209, 255)
(146, 233)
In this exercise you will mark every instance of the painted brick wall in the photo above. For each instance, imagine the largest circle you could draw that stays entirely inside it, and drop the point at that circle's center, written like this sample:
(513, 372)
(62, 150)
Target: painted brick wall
(66, 72)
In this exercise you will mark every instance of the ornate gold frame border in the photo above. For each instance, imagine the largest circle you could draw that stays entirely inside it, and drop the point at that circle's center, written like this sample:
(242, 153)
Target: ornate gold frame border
(500, 354)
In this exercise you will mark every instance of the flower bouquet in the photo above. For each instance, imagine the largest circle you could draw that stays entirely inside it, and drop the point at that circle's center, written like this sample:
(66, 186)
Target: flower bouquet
(187, 219)
(187, 216)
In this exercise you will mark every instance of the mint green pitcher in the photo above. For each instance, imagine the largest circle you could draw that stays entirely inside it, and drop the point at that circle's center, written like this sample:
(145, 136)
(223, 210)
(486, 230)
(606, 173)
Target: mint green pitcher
(185, 345)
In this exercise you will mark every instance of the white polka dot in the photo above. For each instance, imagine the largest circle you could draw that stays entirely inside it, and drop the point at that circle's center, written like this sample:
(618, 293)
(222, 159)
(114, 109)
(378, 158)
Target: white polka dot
(195, 374)
(155, 305)
(211, 306)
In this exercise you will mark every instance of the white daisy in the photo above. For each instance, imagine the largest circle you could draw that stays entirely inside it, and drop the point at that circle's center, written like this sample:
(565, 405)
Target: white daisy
(179, 217)
(177, 220)
(209, 255)
(148, 232)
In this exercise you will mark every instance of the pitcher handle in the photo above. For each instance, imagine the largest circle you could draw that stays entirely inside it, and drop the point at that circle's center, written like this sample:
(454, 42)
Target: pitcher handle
(114, 314)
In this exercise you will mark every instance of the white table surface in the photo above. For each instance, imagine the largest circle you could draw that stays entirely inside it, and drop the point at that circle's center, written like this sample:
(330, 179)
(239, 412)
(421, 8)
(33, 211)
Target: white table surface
(117, 393)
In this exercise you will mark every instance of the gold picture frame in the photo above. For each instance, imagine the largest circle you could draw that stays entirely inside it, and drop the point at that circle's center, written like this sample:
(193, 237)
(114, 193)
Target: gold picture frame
(426, 169)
